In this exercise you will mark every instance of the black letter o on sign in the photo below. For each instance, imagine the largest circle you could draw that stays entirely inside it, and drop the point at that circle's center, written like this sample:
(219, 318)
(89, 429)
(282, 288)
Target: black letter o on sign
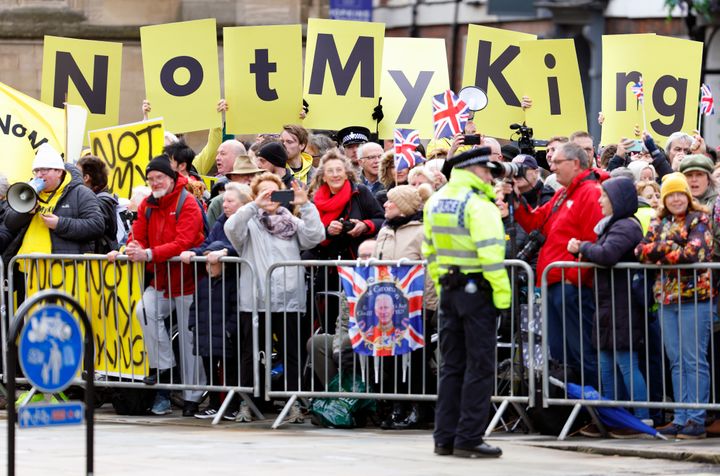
(167, 73)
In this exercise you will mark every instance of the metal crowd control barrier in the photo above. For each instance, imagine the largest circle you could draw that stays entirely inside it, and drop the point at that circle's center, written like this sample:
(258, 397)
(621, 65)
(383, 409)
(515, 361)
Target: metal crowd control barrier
(676, 334)
(4, 326)
(313, 348)
(196, 325)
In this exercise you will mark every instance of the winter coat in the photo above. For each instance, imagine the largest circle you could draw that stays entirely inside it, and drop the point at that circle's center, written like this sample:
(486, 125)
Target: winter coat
(108, 207)
(679, 240)
(214, 314)
(576, 215)
(167, 236)
(80, 220)
(216, 239)
(254, 243)
(405, 242)
(362, 206)
(616, 243)
(6, 236)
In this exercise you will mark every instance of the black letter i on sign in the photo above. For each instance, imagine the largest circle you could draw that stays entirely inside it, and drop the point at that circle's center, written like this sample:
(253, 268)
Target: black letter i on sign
(553, 89)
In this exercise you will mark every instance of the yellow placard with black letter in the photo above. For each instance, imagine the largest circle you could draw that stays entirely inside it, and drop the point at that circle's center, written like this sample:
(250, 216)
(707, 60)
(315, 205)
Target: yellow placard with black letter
(343, 61)
(182, 79)
(552, 81)
(263, 77)
(126, 150)
(25, 124)
(83, 72)
(670, 94)
(492, 63)
(414, 70)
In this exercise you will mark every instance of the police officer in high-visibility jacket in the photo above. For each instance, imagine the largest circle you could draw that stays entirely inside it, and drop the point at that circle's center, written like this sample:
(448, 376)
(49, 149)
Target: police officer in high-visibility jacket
(465, 248)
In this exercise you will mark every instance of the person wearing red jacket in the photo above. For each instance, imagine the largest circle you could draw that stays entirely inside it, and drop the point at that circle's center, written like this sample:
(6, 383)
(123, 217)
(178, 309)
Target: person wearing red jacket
(168, 223)
(573, 212)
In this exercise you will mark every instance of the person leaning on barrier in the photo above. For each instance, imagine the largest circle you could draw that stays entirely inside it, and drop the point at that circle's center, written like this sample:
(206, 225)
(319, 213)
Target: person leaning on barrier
(465, 249)
(263, 232)
(573, 212)
(169, 222)
(619, 322)
(67, 218)
(680, 235)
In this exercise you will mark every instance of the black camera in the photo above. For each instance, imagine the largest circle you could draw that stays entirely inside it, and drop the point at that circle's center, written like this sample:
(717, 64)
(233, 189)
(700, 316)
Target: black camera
(504, 170)
(525, 140)
(534, 242)
(347, 225)
(471, 139)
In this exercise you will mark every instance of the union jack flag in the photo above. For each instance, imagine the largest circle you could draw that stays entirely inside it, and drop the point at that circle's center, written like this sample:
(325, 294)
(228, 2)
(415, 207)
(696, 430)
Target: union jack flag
(450, 114)
(385, 305)
(707, 103)
(406, 154)
(638, 90)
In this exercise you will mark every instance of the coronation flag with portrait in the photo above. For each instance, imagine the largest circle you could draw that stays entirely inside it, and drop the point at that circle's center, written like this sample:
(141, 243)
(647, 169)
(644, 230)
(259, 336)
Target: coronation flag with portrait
(386, 308)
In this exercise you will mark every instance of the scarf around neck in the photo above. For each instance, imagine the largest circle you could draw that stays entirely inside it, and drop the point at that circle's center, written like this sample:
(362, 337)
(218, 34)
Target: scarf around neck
(281, 224)
(331, 206)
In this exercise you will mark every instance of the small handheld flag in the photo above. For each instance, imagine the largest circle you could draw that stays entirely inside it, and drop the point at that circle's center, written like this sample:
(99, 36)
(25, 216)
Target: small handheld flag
(707, 104)
(450, 114)
(406, 142)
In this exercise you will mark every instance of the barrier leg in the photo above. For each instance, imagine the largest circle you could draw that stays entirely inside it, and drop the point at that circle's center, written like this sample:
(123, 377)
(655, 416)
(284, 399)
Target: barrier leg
(223, 407)
(284, 412)
(598, 423)
(256, 411)
(524, 417)
(568, 424)
(496, 418)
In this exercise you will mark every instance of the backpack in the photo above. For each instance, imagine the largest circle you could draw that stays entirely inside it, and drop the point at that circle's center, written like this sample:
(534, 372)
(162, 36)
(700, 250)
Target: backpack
(109, 240)
(181, 200)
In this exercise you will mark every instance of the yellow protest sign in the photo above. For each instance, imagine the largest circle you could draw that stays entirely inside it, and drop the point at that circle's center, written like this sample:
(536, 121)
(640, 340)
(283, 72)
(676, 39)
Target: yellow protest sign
(127, 149)
(182, 79)
(555, 87)
(114, 294)
(208, 181)
(670, 94)
(88, 73)
(343, 61)
(109, 293)
(414, 70)
(263, 74)
(25, 123)
(492, 64)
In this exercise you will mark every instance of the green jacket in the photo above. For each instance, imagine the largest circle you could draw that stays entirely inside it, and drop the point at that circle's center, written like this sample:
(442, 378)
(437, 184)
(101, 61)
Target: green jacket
(463, 227)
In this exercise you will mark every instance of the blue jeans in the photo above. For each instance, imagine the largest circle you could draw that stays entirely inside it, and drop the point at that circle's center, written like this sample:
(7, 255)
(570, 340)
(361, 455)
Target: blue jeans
(686, 333)
(564, 309)
(627, 362)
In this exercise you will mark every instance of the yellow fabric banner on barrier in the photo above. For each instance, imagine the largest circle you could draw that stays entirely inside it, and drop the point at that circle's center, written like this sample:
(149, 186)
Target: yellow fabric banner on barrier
(88, 72)
(25, 123)
(263, 77)
(492, 64)
(552, 80)
(126, 150)
(670, 99)
(182, 78)
(414, 70)
(109, 293)
(343, 62)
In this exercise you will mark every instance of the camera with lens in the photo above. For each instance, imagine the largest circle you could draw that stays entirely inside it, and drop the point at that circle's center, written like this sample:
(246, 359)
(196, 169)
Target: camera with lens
(525, 140)
(346, 226)
(534, 242)
(509, 170)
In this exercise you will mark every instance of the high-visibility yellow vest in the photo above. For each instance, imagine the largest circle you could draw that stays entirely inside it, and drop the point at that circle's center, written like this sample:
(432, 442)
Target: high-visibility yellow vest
(463, 228)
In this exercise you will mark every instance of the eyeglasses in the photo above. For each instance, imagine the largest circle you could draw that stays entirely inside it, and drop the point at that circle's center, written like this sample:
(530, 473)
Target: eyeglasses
(372, 157)
(41, 170)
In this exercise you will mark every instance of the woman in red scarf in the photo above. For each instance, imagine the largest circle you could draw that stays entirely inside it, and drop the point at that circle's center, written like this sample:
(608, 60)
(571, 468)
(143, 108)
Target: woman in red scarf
(348, 210)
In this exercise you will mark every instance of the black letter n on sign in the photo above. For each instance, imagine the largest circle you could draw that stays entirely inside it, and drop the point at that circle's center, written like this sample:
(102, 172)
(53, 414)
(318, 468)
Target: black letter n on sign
(167, 76)
(362, 56)
(66, 68)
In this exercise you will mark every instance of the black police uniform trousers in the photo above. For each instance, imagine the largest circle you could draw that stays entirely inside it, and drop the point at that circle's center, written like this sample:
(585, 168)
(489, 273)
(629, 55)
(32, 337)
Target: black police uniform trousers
(468, 338)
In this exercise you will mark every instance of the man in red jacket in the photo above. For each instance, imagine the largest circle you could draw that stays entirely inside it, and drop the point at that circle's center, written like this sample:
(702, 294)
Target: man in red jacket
(572, 213)
(169, 222)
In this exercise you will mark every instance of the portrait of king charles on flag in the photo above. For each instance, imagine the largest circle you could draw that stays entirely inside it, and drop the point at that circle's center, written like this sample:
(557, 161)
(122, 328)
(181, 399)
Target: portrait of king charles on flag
(386, 316)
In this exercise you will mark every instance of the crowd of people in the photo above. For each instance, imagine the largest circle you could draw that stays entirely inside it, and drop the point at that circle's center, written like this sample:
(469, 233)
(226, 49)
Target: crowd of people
(297, 195)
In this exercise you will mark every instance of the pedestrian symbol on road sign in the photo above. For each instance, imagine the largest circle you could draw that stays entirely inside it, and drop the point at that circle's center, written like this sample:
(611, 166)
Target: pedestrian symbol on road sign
(51, 348)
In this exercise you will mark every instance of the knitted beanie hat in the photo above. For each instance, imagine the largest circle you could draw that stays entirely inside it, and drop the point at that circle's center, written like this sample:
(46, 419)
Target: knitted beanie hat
(674, 182)
(407, 199)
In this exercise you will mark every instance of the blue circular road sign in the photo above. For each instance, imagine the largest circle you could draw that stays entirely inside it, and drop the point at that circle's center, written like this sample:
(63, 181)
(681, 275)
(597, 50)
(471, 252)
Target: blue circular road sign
(51, 349)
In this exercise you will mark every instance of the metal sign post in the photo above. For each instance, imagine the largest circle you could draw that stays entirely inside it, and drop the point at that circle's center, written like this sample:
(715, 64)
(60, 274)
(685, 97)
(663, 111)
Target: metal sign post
(51, 354)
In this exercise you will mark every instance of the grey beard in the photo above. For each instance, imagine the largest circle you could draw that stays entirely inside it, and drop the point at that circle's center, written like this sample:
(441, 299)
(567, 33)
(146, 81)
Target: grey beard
(159, 193)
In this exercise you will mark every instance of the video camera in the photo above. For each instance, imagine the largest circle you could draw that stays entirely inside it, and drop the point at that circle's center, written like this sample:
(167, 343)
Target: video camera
(524, 139)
